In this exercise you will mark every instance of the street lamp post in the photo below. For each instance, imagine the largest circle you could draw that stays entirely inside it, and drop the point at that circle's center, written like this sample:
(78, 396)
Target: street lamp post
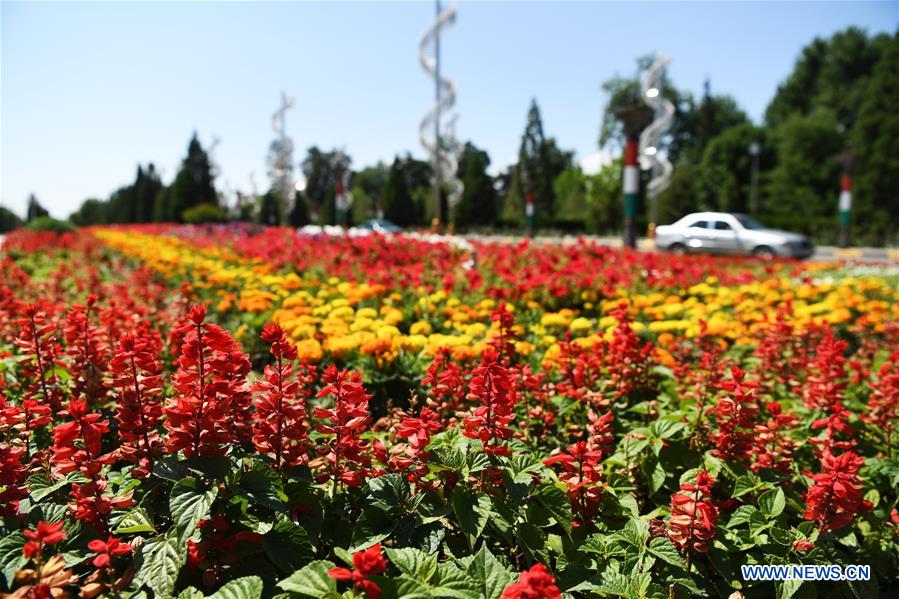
(755, 149)
(634, 115)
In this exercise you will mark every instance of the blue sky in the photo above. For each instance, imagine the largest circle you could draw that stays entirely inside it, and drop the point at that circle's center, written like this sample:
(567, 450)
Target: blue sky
(89, 90)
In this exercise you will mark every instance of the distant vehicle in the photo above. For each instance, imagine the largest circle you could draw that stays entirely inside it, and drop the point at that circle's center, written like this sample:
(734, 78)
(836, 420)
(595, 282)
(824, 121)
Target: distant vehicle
(725, 233)
(379, 225)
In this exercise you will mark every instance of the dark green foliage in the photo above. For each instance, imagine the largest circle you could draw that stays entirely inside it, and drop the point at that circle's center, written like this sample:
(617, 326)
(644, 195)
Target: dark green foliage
(540, 161)
(270, 208)
(48, 223)
(875, 143)
(320, 170)
(9, 220)
(193, 184)
(398, 204)
(35, 210)
(91, 212)
(203, 213)
(478, 204)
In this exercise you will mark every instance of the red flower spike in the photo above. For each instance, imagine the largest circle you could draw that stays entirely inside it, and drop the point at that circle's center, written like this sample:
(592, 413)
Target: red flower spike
(344, 453)
(44, 534)
(691, 525)
(280, 427)
(492, 386)
(536, 583)
(198, 414)
(107, 550)
(137, 381)
(365, 564)
(835, 499)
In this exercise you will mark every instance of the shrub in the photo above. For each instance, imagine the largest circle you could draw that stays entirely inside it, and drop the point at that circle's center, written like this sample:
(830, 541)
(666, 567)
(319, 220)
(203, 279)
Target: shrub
(203, 213)
(48, 223)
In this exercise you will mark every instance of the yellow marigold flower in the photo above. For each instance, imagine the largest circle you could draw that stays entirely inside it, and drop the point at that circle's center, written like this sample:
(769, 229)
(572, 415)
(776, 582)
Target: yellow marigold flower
(309, 350)
(554, 319)
(369, 313)
(523, 348)
(387, 332)
(580, 325)
(421, 327)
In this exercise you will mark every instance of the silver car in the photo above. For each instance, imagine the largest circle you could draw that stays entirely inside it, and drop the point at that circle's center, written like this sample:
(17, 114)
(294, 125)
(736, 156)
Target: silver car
(725, 233)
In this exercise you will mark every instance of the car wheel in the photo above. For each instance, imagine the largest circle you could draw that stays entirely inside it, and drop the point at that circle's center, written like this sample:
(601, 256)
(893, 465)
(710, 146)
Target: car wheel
(763, 251)
(678, 248)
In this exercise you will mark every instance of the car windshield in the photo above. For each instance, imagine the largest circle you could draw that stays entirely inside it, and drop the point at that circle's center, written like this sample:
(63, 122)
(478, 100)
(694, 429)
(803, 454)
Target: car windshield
(749, 222)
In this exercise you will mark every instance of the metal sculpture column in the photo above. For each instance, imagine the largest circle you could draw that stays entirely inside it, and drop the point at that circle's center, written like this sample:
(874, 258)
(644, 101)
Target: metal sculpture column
(282, 168)
(650, 139)
(634, 115)
(441, 149)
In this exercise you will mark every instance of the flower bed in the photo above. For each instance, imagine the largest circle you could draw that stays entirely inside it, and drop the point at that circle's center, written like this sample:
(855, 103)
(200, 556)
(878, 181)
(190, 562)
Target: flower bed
(225, 412)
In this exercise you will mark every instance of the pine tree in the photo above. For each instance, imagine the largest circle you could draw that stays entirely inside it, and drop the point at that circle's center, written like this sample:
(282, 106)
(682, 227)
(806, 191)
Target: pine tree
(193, 184)
(478, 205)
(398, 204)
(35, 210)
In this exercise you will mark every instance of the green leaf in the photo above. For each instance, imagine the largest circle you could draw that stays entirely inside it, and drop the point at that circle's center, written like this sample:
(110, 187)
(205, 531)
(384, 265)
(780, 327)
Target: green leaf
(248, 587)
(260, 486)
(741, 515)
(555, 501)
(414, 562)
(635, 532)
(665, 550)
(781, 536)
(746, 484)
(11, 557)
(472, 512)
(787, 588)
(489, 574)
(133, 522)
(191, 593)
(158, 562)
(287, 546)
(312, 581)
(190, 503)
(372, 527)
(391, 489)
(40, 485)
(773, 502)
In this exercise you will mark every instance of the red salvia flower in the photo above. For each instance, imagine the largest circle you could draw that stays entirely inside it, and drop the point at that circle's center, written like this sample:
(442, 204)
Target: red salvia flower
(37, 340)
(582, 474)
(86, 350)
(503, 341)
(107, 550)
(198, 414)
(772, 448)
(137, 380)
(628, 361)
(280, 429)
(835, 498)
(693, 516)
(824, 390)
(344, 454)
(734, 417)
(44, 534)
(536, 583)
(491, 385)
(12, 480)
(365, 564)
(447, 385)
(77, 444)
(883, 404)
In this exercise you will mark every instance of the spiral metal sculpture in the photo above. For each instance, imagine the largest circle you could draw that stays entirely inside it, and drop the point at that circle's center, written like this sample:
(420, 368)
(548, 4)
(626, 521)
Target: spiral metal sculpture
(651, 87)
(442, 148)
(282, 168)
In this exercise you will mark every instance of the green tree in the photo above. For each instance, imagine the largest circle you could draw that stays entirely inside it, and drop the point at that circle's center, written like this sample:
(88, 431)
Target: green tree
(695, 126)
(34, 210)
(320, 170)
(570, 189)
(724, 179)
(193, 184)
(9, 220)
(875, 143)
(478, 204)
(604, 205)
(830, 74)
(540, 161)
(399, 206)
(270, 209)
(805, 180)
(368, 191)
(146, 186)
(91, 212)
